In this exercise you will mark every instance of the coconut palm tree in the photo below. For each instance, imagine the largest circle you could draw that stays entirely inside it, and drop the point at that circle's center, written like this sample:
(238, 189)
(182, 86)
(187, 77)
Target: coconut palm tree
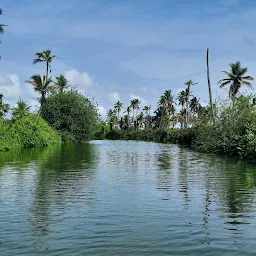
(2, 25)
(162, 103)
(182, 98)
(42, 86)
(188, 83)
(4, 108)
(111, 117)
(236, 78)
(194, 105)
(21, 110)
(127, 117)
(47, 57)
(118, 106)
(147, 111)
(61, 83)
(135, 105)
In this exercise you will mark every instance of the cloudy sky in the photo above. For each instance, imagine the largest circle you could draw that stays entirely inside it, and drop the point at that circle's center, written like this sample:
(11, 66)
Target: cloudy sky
(122, 49)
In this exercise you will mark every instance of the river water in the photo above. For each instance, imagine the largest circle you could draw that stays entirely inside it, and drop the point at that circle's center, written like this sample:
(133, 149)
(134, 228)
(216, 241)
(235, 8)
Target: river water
(125, 198)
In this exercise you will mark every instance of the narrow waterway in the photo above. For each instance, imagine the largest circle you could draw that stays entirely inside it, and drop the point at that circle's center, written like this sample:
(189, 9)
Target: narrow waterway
(125, 198)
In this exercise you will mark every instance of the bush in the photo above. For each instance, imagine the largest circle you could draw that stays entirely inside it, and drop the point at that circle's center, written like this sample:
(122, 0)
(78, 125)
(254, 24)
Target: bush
(72, 115)
(23, 132)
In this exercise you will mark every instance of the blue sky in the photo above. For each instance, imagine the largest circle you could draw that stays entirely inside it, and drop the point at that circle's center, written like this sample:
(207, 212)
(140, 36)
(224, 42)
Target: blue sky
(120, 49)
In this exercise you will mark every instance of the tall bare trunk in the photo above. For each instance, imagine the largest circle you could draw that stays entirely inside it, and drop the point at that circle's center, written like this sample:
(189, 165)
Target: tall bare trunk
(47, 71)
(209, 85)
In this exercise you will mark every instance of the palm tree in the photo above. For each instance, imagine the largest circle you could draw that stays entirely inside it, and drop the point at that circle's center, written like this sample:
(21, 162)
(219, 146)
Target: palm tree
(188, 83)
(112, 118)
(137, 107)
(147, 111)
(47, 57)
(162, 107)
(2, 25)
(42, 86)
(127, 119)
(236, 78)
(169, 102)
(118, 106)
(209, 85)
(61, 83)
(194, 105)
(4, 108)
(140, 120)
(182, 98)
(21, 110)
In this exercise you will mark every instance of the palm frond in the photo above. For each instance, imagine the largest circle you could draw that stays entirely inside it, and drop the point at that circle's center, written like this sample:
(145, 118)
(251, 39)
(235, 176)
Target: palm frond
(247, 84)
(224, 83)
(248, 78)
(35, 61)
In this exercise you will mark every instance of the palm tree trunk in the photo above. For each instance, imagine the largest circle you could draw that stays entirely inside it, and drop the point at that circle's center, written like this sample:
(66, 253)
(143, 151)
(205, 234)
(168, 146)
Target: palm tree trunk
(209, 85)
(47, 71)
(186, 117)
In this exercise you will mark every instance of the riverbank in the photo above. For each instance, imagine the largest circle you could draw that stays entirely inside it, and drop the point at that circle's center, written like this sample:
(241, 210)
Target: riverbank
(25, 133)
(203, 138)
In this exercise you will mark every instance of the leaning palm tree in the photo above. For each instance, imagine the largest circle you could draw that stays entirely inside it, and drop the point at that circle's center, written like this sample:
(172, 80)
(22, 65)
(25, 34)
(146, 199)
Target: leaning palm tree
(47, 57)
(61, 83)
(236, 78)
(2, 25)
(21, 110)
(42, 86)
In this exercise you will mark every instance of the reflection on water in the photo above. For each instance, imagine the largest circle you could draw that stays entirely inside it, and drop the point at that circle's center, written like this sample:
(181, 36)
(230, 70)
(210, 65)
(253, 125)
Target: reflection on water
(125, 198)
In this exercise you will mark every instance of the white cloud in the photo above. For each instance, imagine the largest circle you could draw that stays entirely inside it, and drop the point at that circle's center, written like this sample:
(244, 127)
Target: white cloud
(102, 111)
(82, 80)
(113, 97)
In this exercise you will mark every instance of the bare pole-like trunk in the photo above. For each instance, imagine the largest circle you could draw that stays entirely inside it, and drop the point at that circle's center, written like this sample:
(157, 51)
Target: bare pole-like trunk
(209, 85)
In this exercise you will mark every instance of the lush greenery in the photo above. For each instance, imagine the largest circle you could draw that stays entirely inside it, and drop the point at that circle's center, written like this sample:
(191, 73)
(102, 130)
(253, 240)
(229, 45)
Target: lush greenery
(228, 128)
(72, 115)
(182, 119)
(24, 132)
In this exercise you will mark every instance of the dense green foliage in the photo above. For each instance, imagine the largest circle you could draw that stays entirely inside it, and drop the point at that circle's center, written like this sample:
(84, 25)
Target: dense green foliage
(233, 134)
(23, 132)
(72, 115)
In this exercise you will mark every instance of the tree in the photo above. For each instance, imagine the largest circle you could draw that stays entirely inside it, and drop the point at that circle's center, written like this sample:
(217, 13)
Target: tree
(209, 85)
(162, 107)
(47, 57)
(127, 119)
(21, 110)
(61, 83)
(194, 105)
(4, 108)
(188, 83)
(111, 117)
(147, 111)
(74, 116)
(236, 78)
(182, 98)
(118, 106)
(2, 25)
(42, 86)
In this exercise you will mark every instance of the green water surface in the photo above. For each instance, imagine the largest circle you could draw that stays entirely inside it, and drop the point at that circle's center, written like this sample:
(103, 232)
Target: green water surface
(125, 198)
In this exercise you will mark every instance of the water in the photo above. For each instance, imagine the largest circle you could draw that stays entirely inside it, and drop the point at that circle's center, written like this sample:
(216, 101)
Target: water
(125, 198)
